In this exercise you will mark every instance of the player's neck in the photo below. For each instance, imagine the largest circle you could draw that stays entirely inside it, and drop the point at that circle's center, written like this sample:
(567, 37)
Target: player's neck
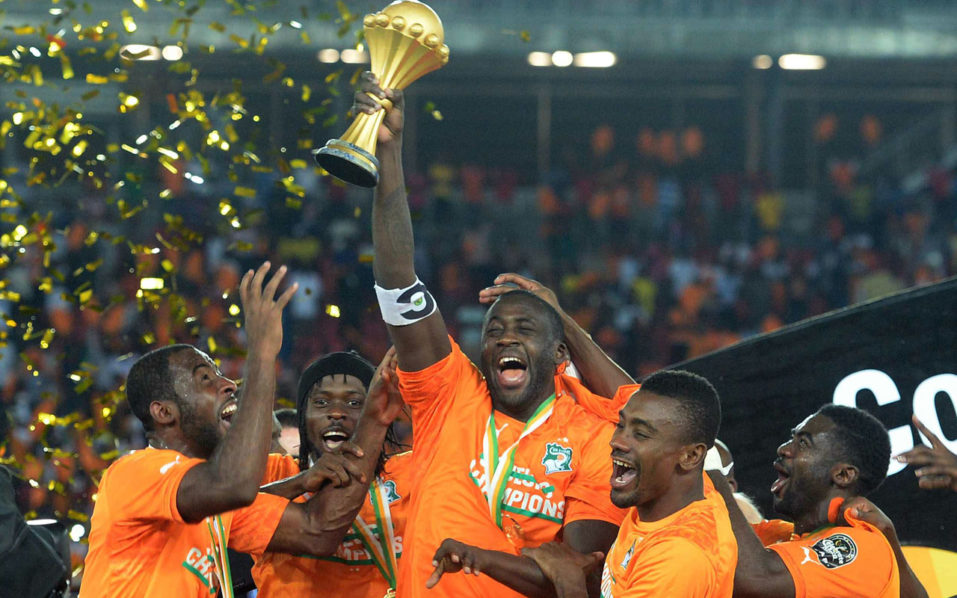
(172, 442)
(816, 518)
(523, 410)
(683, 491)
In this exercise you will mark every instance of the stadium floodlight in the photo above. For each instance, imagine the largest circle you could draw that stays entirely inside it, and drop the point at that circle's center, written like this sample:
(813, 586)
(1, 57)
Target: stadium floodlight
(601, 60)
(539, 59)
(172, 53)
(562, 58)
(351, 56)
(140, 52)
(762, 62)
(151, 284)
(328, 55)
(802, 62)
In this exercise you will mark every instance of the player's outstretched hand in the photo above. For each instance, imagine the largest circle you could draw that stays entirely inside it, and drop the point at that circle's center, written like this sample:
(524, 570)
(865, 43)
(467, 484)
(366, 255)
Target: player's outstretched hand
(383, 401)
(263, 310)
(508, 282)
(936, 467)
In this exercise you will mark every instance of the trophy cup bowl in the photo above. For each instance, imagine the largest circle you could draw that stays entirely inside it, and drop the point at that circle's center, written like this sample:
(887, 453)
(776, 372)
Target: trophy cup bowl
(405, 41)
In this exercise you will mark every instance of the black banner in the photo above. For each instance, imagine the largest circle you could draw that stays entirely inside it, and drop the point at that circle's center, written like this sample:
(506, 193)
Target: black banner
(893, 357)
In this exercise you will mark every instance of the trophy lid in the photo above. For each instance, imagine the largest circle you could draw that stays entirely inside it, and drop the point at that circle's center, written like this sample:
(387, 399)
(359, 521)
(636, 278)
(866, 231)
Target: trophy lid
(415, 19)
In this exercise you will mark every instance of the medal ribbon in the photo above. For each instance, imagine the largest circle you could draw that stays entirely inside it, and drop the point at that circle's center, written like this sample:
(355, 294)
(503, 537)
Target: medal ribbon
(381, 549)
(220, 558)
(499, 466)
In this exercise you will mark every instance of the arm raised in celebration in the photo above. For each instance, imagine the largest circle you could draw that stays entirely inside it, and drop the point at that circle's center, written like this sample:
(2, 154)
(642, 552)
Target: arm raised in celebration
(424, 340)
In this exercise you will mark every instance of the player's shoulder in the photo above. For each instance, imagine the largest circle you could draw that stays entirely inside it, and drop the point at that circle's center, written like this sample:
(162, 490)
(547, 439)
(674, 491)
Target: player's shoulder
(697, 524)
(845, 544)
(577, 419)
(840, 546)
(398, 465)
(281, 466)
(147, 459)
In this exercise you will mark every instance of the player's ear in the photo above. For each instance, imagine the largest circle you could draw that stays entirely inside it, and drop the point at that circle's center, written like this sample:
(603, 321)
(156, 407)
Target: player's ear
(845, 475)
(164, 413)
(561, 354)
(692, 456)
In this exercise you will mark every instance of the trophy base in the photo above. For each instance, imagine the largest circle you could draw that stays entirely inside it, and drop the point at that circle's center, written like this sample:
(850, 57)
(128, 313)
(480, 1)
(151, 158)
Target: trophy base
(348, 162)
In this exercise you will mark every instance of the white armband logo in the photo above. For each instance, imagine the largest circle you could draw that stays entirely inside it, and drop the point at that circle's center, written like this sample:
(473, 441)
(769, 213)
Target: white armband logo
(401, 307)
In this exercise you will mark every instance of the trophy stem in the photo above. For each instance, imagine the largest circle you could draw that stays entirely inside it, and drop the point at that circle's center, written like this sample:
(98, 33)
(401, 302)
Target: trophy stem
(351, 158)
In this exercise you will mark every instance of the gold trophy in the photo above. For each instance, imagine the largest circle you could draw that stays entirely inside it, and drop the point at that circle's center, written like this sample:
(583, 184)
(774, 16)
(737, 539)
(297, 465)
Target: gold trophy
(405, 42)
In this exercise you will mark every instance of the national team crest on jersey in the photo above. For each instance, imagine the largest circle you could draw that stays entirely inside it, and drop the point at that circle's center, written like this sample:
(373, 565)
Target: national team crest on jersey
(391, 495)
(835, 550)
(557, 458)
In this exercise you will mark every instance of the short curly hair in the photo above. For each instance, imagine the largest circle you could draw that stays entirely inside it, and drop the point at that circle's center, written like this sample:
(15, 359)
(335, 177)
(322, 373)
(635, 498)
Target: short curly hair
(700, 407)
(864, 442)
(149, 380)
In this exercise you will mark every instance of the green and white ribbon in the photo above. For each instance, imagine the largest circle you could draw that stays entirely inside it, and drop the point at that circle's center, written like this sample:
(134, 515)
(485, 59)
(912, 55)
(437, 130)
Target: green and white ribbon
(217, 534)
(381, 549)
(498, 467)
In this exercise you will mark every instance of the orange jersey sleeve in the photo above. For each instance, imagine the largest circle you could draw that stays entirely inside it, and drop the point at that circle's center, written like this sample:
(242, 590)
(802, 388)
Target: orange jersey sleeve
(589, 494)
(253, 527)
(603, 407)
(279, 467)
(149, 485)
(842, 562)
(432, 392)
(772, 531)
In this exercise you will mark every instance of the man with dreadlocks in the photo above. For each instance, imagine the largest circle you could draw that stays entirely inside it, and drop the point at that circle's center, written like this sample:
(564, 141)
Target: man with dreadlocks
(330, 397)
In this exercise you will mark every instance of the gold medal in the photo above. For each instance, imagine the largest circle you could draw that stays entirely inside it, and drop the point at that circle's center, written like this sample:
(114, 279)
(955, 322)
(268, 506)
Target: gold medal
(514, 532)
(390, 593)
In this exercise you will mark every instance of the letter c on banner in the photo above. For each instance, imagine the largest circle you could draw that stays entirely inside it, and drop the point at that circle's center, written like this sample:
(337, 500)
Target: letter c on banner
(925, 409)
(886, 392)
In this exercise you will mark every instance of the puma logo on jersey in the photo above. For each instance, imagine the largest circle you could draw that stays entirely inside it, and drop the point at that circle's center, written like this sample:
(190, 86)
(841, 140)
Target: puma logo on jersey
(557, 458)
(807, 555)
(167, 467)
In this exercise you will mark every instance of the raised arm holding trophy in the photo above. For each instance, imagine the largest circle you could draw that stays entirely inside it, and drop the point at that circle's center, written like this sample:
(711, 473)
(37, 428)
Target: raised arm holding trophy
(406, 41)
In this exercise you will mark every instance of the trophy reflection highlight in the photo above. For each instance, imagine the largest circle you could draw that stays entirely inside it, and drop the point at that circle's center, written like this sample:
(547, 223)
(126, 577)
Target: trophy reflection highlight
(405, 41)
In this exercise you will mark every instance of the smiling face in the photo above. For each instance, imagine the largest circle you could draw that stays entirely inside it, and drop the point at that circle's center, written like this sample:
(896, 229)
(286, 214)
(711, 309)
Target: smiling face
(333, 406)
(206, 400)
(520, 351)
(646, 448)
(804, 466)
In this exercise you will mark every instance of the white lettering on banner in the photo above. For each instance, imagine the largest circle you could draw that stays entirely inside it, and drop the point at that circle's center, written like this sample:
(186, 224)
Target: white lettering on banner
(886, 392)
(925, 409)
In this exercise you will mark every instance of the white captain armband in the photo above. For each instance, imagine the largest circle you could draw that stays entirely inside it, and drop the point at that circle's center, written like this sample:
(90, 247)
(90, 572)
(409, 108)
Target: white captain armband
(401, 307)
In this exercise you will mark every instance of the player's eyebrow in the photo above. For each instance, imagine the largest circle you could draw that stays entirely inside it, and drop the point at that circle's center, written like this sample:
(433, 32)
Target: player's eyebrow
(637, 421)
(800, 433)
